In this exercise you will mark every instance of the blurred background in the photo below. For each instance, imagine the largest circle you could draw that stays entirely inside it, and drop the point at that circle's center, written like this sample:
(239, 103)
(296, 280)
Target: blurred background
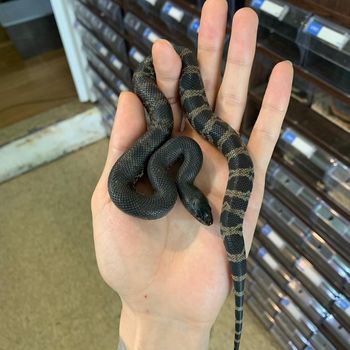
(63, 65)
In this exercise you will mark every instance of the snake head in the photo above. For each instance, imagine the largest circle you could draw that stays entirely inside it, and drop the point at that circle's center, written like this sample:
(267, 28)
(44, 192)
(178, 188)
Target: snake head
(197, 204)
(201, 211)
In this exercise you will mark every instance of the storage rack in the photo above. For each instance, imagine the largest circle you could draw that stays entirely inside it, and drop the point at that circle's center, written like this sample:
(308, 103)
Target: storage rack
(299, 267)
(300, 262)
(117, 35)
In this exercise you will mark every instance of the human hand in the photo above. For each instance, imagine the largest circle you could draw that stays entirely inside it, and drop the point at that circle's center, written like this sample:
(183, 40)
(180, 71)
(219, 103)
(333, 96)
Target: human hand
(172, 274)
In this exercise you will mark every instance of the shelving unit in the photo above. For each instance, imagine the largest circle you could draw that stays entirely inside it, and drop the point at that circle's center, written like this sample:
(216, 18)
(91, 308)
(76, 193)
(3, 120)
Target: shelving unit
(299, 268)
(115, 39)
(301, 248)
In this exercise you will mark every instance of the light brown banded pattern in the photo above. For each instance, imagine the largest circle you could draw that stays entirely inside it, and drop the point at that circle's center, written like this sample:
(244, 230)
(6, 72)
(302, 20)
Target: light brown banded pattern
(241, 173)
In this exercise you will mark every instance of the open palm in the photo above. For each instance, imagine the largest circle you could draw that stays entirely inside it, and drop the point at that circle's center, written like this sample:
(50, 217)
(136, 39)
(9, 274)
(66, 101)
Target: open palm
(175, 268)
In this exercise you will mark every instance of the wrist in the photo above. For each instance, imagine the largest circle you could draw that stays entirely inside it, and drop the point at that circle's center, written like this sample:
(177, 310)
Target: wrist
(148, 332)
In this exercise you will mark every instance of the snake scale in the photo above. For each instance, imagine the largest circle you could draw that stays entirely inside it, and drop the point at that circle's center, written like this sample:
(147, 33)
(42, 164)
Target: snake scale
(156, 151)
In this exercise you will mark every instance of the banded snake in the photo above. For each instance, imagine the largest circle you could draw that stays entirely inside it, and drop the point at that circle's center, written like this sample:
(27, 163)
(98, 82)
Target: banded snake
(156, 151)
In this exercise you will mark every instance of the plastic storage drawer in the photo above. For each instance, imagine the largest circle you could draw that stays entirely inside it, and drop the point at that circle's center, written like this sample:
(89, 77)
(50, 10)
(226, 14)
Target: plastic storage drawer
(328, 51)
(175, 17)
(103, 31)
(317, 165)
(114, 63)
(282, 21)
(111, 10)
(141, 32)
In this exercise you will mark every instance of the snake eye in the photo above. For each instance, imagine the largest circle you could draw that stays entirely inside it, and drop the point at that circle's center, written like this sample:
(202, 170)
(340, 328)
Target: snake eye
(197, 204)
(202, 211)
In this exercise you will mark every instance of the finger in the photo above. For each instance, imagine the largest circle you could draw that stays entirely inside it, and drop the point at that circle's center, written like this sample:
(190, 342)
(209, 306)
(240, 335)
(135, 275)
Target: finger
(211, 38)
(252, 213)
(263, 140)
(232, 95)
(267, 128)
(167, 65)
(129, 125)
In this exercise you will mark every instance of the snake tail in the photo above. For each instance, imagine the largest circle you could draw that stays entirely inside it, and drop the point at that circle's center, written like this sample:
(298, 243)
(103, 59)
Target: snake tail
(239, 186)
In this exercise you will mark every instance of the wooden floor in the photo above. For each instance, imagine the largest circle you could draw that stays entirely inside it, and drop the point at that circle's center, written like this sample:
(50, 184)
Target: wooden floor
(29, 87)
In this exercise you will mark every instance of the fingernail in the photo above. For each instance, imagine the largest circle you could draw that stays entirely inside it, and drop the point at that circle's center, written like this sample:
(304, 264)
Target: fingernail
(158, 41)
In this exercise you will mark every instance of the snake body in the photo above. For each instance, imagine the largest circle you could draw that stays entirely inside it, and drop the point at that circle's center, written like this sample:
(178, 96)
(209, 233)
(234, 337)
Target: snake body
(155, 149)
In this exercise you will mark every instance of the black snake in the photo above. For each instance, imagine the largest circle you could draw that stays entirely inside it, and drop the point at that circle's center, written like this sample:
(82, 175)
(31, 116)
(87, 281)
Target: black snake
(155, 153)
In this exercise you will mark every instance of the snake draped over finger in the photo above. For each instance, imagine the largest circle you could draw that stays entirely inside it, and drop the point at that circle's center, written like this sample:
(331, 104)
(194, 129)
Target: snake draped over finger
(156, 151)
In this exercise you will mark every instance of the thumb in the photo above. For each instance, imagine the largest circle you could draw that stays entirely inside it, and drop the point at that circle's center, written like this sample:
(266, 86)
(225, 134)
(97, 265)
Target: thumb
(129, 125)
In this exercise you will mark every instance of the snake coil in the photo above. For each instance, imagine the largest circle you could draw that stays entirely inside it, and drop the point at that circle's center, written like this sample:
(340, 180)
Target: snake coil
(154, 153)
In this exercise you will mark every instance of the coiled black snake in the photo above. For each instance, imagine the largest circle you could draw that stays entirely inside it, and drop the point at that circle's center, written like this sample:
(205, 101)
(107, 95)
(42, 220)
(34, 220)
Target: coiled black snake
(154, 152)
